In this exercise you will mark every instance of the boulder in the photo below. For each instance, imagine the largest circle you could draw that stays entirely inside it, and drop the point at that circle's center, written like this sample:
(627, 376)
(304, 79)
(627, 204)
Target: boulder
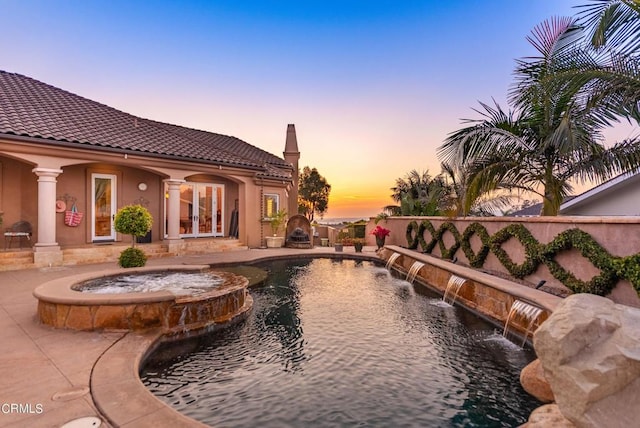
(547, 416)
(533, 381)
(590, 351)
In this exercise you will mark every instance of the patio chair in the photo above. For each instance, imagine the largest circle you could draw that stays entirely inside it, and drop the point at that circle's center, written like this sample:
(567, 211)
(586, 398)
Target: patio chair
(19, 230)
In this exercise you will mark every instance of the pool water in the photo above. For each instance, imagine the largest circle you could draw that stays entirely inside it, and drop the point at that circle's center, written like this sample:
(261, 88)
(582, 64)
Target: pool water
(178, 283)
(340, 344)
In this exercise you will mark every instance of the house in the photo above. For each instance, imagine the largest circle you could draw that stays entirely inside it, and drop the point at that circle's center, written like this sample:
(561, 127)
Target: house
(619, 196)
(59, 150)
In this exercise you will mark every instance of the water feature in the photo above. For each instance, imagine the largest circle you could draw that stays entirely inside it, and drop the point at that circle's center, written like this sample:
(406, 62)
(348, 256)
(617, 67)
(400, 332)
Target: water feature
(453, 288)
(176, 300)
(413, 271)
(392, 260)
(342, 343)
(177, 283)
(526, 312)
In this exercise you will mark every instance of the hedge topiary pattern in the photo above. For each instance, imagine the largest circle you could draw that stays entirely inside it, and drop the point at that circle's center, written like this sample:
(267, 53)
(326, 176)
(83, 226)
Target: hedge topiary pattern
(612, 268)
(529, 243)
(476, 260)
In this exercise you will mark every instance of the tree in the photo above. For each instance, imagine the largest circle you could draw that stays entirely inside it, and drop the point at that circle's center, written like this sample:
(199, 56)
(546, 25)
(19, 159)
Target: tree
(419, 194)
(313, 193)
(553, 134)
(613, 35)
(134, 220)
(613, 23)
(466, 196)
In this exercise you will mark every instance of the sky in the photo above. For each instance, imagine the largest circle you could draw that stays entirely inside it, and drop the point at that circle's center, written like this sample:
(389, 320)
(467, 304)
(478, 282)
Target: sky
(372, 86)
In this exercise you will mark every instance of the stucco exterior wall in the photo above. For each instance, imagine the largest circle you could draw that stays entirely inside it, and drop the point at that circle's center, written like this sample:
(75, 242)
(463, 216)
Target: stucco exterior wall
(19, 196)
(75, 184)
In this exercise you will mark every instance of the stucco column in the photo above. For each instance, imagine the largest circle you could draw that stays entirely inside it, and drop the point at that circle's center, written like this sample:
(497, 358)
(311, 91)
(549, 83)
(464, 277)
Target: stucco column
(173, 209)
(46, 206)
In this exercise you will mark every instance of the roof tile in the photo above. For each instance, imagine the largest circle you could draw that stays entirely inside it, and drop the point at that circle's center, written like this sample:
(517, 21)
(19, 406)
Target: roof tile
(32, 108)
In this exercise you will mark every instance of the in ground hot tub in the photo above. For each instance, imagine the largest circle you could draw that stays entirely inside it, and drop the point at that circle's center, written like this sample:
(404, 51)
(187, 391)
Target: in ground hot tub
(76, 303)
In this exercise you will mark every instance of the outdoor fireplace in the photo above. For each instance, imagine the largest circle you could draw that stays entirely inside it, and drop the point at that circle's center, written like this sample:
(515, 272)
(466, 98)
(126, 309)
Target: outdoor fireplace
(298, 232)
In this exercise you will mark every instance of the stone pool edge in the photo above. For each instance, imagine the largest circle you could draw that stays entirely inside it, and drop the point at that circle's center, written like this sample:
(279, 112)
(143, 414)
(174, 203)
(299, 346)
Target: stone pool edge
(117, 390)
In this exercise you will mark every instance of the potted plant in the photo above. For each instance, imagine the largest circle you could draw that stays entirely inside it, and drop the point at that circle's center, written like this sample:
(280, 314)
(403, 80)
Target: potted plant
(134, 220)
(341, 241)
(380, 233)
(358, 243)
(276, 222)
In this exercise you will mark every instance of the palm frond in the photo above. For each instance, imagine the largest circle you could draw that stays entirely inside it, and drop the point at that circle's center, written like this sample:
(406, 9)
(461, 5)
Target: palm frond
(613, 23)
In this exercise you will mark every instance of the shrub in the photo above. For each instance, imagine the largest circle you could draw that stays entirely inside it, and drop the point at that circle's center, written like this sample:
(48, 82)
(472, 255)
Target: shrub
(134, 220)
(132, 257)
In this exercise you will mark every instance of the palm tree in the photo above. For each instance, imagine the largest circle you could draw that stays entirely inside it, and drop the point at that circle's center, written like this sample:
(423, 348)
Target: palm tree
(554, 133)
(419, 194)
(613, 23)
(613, 32)
(466, 194)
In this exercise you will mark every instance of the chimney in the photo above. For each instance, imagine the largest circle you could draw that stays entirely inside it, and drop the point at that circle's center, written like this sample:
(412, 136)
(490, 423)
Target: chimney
(292, 156)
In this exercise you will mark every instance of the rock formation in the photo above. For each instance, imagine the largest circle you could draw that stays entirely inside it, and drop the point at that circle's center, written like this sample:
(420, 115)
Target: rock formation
(590, 351)
(534, 382)
(547, 416)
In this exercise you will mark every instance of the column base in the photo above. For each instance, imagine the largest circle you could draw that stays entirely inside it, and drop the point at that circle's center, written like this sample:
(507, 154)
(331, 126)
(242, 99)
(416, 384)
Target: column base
(47, 255)
(175, 247)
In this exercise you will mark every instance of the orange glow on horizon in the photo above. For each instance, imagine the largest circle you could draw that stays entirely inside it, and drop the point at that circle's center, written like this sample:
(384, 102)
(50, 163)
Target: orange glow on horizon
(357, 201)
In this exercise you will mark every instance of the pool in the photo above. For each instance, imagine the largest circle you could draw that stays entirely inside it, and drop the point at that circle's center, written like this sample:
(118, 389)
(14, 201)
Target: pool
(177, 283)
(178, 299)
(343, 343)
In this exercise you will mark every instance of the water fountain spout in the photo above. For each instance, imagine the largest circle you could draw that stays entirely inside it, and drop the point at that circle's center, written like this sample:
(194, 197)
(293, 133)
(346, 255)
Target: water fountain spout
(413, 271)
(453, 288)
(392, 260)
(526, 312)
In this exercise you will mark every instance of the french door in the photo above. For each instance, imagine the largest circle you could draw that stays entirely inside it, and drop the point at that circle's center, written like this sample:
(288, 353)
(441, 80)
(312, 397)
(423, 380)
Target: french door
(103, 208)
(201, 208)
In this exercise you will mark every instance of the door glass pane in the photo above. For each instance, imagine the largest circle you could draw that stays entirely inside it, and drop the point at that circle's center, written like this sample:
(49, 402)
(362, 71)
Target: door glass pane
(103, 207)
(219, 210)
(205, 209)
(186, 209)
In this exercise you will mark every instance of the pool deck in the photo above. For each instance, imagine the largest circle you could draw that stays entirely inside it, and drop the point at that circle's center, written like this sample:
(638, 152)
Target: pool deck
(49, 377)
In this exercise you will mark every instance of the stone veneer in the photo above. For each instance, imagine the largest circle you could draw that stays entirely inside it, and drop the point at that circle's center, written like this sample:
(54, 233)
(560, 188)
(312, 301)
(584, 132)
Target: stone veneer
(60, 306)
(487, 295)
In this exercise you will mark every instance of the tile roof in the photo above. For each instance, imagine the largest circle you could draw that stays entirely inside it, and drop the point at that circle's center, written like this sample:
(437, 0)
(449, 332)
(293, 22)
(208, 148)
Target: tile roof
(30, 108)
(535, 209)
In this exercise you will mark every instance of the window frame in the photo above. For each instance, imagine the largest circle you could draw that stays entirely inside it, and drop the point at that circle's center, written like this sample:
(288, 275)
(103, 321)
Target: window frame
(275, 197)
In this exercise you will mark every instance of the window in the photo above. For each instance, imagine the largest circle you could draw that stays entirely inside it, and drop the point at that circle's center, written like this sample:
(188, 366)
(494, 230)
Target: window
(271, 204)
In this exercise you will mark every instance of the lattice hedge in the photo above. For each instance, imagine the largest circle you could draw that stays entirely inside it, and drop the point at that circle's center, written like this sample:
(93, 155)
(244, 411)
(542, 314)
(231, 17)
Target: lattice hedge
(612, 268)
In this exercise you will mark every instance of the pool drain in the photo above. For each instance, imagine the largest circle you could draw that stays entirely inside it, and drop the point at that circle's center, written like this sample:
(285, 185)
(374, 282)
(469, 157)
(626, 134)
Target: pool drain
(70, 394)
